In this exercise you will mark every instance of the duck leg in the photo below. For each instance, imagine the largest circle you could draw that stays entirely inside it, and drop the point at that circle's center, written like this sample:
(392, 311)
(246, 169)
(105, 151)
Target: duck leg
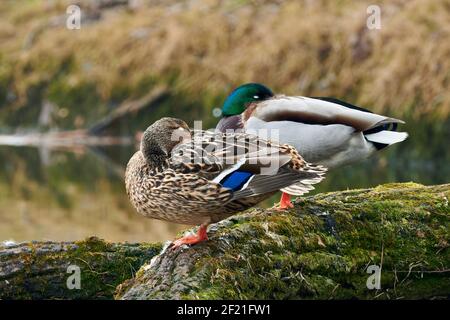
(285, 202)
(192, 238)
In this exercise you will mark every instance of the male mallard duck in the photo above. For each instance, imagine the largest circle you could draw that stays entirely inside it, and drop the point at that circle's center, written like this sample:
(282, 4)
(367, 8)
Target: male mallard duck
(326, 131)
(201, 177)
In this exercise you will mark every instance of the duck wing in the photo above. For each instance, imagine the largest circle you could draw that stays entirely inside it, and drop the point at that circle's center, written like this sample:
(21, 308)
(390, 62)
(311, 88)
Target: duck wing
(321, 128)
(324, 111)
(244, 163)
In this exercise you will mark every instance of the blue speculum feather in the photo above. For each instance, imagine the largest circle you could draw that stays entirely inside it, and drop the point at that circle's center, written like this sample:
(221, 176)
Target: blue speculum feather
(236, 180)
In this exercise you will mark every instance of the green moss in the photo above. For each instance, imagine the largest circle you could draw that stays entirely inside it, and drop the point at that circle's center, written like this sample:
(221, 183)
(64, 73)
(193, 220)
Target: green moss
(103, 266)
(108, 265)
(321, 249)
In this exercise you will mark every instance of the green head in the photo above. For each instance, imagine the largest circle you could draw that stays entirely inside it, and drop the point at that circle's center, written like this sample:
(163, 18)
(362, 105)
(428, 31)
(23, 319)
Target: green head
(242, 96)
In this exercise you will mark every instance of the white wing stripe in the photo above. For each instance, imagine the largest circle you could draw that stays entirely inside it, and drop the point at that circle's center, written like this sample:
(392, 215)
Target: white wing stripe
(386, 137)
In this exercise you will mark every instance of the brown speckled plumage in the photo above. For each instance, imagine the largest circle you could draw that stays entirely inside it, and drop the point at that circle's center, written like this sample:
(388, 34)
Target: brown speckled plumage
(177, 188)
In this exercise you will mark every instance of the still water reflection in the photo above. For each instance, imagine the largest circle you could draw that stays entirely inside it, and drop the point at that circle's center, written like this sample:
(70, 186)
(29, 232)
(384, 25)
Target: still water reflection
(72, 194)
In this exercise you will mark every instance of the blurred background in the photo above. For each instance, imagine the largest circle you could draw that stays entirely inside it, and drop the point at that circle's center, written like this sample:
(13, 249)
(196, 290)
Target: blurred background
(73, 100)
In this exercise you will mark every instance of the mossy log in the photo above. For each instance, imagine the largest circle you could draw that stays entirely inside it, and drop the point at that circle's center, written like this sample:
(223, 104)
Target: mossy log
(41, 270)
(321, 249)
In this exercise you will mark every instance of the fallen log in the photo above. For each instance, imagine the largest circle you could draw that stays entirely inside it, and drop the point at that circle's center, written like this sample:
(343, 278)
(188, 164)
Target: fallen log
(389, 242)
(46, 270)
(322, 249)
(93, 136)
(156, 95)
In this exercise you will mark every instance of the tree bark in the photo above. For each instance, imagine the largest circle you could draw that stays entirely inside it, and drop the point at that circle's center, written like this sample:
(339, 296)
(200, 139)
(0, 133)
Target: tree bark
(321, 249)
(41, 270)
(330, 246)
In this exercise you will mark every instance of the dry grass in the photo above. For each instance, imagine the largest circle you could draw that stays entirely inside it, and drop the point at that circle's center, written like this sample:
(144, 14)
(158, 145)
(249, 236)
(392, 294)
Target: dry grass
(208, 47)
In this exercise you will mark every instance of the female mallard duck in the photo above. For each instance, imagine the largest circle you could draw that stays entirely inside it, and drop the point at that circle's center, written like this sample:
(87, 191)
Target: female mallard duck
(201, 177)
(326, 131)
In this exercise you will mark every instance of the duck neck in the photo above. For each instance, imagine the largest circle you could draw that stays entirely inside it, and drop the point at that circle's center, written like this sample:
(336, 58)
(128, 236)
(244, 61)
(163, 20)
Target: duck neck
(230, 123)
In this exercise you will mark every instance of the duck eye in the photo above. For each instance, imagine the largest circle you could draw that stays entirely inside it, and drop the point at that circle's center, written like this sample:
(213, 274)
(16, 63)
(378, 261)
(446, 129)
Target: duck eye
(256, 97)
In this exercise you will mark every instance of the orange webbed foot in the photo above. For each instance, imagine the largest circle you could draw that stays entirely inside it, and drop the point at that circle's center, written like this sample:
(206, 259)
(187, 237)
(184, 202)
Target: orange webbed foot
(192, 238)
(285, 203)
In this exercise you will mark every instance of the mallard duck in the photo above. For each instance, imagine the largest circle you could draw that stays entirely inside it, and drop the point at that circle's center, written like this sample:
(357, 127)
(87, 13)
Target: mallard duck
(201, 177)
(325, 131)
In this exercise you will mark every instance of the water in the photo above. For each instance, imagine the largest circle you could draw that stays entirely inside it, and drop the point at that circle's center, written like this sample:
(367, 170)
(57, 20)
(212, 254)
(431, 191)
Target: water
(69, 195)
(72, 194)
